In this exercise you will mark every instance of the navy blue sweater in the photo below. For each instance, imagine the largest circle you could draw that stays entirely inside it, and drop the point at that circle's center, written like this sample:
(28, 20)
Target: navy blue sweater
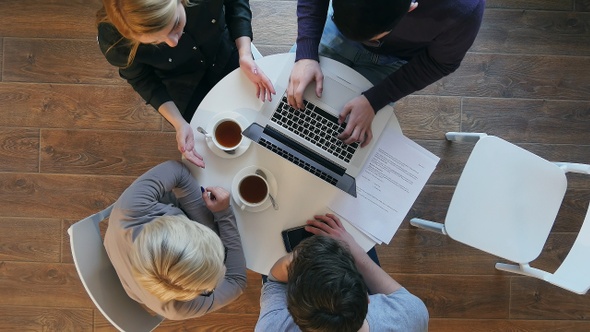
(433, 38)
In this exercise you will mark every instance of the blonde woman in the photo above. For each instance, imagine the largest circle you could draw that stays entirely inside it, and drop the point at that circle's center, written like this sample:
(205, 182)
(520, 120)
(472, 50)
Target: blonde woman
(173, 52)
(176, 247)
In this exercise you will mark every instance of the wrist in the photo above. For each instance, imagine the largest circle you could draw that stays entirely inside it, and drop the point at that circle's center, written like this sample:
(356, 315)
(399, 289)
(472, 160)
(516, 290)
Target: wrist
(356, 250)
(245, 54)
(244, 49)
(307, 61)
(178, 124)
(221, 214)
(171, 113)
(307, 49)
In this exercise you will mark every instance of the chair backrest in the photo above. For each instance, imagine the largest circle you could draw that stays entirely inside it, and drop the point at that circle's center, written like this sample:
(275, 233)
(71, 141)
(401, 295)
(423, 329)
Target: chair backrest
(100, 278)
(574, 272)
(255, 53)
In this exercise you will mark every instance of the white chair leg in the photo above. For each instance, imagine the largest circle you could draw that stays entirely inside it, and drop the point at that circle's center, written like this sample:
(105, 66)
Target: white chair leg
(464, 137)
(514, 268)
(574, 167)
(428, 225)
(522, 269)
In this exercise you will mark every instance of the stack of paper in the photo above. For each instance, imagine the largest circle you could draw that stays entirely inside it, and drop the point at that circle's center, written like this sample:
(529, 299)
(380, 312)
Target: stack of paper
(387, 187)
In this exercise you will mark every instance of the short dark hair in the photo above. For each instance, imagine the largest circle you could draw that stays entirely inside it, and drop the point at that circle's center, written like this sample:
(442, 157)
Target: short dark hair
(362, 20)
(325, 291)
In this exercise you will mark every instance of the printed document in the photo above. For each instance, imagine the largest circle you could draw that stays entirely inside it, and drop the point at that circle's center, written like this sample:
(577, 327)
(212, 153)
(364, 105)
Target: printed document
(387, 187)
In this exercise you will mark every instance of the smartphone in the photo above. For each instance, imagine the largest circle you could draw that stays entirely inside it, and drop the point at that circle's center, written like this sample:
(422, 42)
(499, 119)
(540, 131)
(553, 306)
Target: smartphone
(292, 237)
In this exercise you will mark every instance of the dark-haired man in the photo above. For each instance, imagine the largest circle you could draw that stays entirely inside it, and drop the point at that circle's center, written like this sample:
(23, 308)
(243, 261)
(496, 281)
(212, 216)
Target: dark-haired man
(398, 45)
(323, 286)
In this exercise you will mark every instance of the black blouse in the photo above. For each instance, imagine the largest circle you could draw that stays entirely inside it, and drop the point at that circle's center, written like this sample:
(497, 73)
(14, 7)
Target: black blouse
(160, 73)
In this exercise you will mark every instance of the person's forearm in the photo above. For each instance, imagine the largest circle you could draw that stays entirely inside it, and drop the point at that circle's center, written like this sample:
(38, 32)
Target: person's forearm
(442, 57)
(188, 194)
(411, 77)
(234, 282)
(238, 17)
(279, 272)
(230, 237)
(150, 187)
(244, 46)
(171, 113)
(377, 280)
(311, 17)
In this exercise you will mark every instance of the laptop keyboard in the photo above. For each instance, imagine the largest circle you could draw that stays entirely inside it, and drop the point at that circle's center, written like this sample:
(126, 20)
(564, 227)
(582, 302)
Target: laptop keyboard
(277, 142)
(299, 162)
(316, 126)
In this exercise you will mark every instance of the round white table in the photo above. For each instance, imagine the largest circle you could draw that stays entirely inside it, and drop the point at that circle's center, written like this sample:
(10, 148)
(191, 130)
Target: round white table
(300, 195)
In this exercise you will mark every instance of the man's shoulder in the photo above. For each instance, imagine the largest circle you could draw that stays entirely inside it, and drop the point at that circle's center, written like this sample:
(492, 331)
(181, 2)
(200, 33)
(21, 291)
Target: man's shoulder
(392, 301)
(274, 288)
(274, 315)
(398, 311)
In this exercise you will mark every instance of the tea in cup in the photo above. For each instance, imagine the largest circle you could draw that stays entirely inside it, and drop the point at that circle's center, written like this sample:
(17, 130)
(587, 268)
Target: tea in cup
(227, 135)
(253, 191)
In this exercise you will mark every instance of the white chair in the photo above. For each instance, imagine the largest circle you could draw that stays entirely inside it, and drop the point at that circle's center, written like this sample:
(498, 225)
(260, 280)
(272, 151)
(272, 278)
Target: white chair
(255, 53)
(506, 202)
(101, 281)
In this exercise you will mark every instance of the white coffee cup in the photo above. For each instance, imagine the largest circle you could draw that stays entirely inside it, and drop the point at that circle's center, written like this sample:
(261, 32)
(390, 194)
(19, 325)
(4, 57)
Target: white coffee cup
(227, 134)
(253, 191)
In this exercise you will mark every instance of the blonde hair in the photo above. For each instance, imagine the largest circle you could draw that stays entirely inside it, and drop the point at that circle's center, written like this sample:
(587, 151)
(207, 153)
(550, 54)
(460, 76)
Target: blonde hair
(133, 18)
(175, 258)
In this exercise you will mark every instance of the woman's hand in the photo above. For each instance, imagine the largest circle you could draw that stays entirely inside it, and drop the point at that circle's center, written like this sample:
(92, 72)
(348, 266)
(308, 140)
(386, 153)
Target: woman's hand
(185, 138)
(264, 87)
(216, 198)
(186, 144)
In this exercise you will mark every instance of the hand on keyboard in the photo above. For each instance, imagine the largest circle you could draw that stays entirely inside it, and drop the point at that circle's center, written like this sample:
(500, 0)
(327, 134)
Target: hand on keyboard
(303, 73)
(360, 115)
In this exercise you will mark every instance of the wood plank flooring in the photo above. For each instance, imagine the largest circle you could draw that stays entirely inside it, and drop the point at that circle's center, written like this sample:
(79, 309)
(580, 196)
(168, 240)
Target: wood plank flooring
(73, 136)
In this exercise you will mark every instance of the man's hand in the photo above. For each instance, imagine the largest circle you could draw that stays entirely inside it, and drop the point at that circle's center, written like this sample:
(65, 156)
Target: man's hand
(377, 280)
(186, 145)
(329, 225)
(304, 72)
(216, 199)
(360, 117)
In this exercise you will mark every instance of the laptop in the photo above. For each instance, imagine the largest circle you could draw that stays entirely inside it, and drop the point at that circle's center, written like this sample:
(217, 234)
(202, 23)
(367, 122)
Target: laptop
(308, 138)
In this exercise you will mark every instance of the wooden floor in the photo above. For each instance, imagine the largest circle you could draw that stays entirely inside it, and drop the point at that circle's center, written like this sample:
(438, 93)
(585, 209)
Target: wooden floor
(73, 135)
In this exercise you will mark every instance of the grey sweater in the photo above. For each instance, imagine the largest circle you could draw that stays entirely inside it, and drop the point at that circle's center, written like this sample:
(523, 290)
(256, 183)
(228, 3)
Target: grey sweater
(399, 311)
(170, 189)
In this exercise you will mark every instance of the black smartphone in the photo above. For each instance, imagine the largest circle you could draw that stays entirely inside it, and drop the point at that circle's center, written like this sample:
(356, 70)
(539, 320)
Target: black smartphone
(292, 237)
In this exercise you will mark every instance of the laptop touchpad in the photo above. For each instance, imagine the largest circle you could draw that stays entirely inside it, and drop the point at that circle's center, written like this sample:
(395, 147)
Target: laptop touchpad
(335, 94)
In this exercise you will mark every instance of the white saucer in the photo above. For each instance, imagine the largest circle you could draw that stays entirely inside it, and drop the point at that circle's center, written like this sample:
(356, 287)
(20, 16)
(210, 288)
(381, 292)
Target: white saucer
(245, 141)
(272, 183)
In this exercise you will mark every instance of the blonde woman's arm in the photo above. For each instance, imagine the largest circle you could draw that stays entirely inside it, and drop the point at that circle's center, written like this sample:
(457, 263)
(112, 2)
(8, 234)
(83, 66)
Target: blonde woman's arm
(234, 281)
(143, 197)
